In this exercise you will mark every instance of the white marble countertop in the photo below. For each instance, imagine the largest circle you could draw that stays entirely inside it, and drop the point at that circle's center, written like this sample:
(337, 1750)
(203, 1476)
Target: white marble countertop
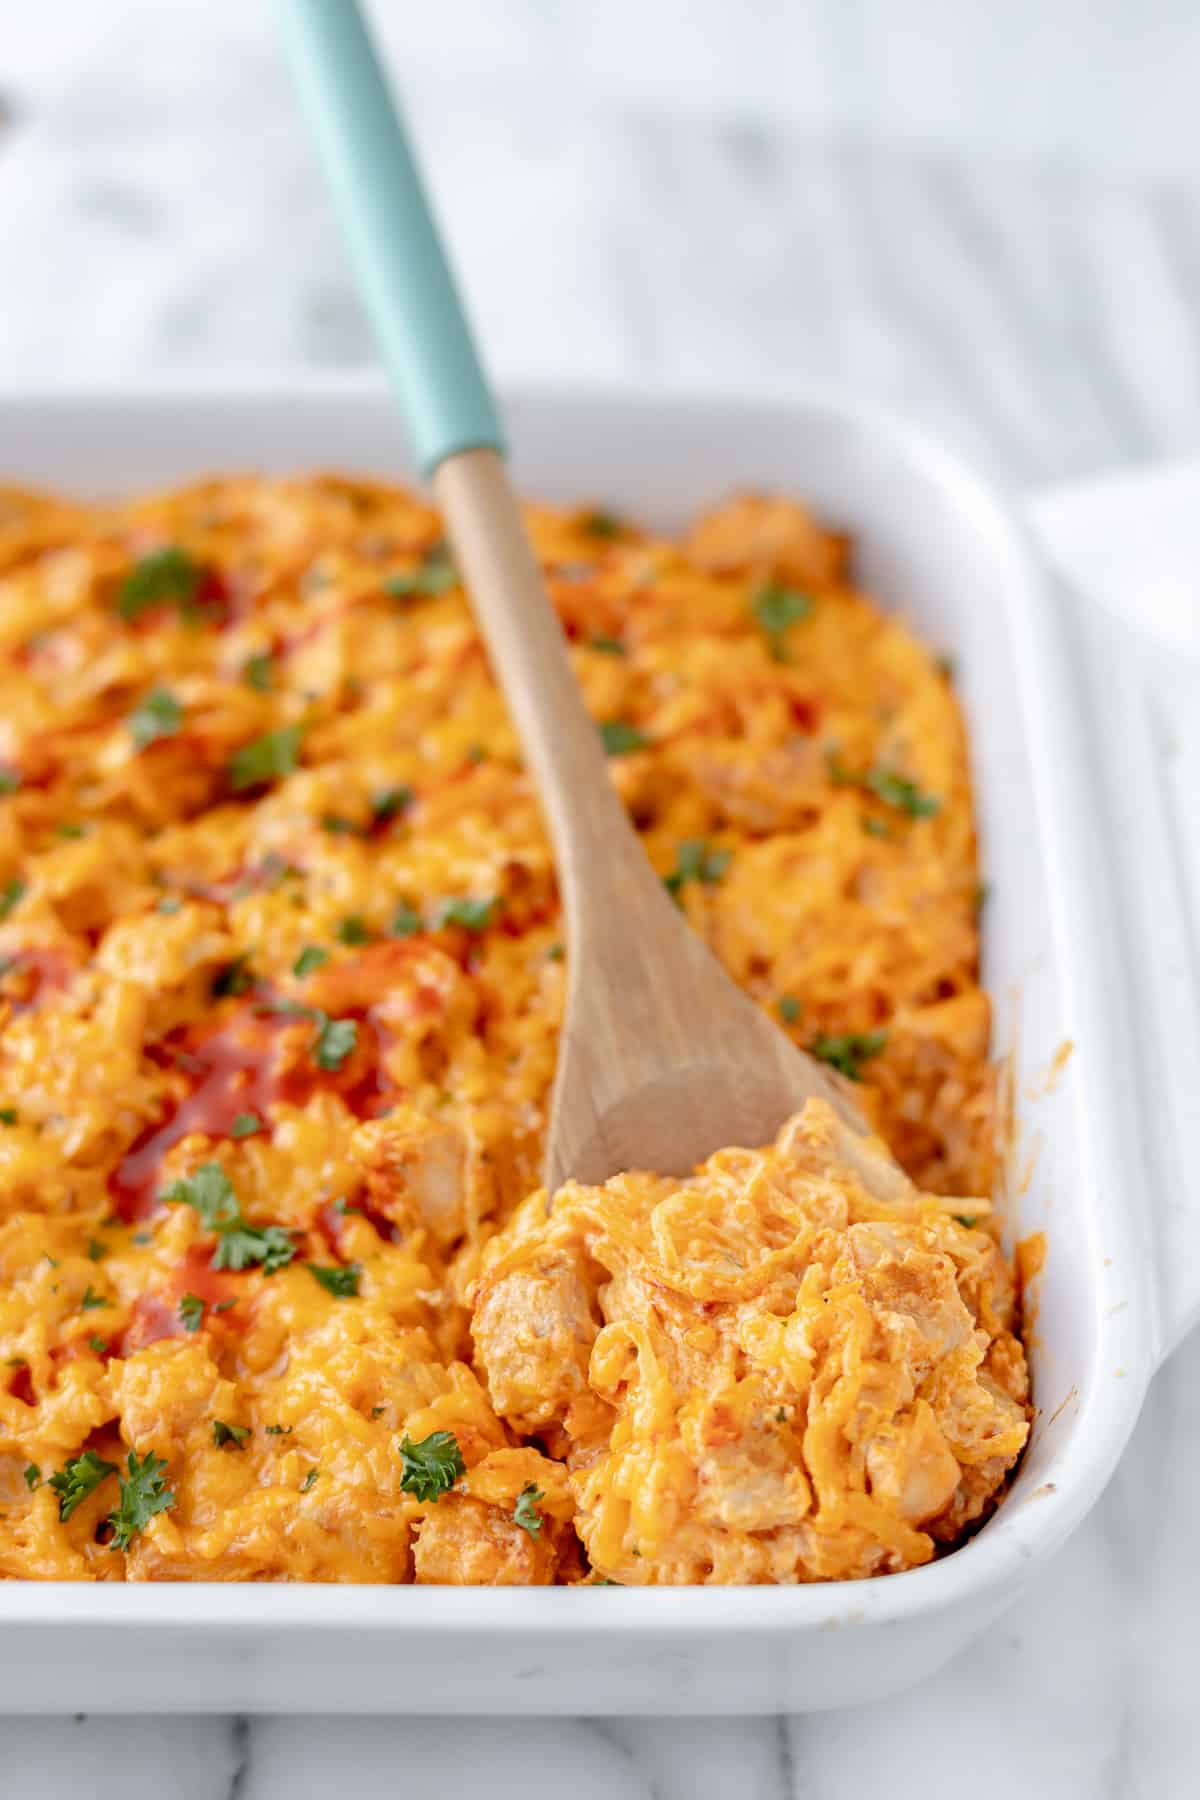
(159, 211)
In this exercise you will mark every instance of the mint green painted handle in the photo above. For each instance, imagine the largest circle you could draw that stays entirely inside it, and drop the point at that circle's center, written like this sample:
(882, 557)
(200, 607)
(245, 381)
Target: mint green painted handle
(377, 188)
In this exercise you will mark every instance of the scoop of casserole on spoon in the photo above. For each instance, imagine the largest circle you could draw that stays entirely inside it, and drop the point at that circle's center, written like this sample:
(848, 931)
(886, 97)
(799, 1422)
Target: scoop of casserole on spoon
(662, 1059)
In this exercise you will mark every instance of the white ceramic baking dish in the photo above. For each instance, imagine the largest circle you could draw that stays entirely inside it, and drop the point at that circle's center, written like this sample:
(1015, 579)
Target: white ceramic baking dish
(932, 542)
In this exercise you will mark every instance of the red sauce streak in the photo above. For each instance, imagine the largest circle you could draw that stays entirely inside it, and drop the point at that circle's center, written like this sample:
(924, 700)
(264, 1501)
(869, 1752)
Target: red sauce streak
(237, 1066)
(20, 1385)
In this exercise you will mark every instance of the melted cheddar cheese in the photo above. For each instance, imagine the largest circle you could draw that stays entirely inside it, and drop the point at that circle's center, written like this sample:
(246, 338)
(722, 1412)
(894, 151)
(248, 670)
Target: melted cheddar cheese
(281, 977)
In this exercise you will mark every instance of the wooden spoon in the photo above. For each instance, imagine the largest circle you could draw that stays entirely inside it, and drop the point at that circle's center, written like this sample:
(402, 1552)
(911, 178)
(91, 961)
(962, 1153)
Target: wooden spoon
(663, 1059)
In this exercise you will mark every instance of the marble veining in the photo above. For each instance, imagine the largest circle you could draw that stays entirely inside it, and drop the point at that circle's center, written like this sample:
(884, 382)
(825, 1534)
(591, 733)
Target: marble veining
(159, 212)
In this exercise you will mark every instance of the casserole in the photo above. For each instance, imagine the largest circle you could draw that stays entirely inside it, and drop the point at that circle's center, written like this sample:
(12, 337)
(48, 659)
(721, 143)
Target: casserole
(932, 543)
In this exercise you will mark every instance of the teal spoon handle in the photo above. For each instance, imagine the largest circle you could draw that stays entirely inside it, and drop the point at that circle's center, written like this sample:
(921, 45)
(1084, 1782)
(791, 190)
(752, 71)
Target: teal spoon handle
(410, 292)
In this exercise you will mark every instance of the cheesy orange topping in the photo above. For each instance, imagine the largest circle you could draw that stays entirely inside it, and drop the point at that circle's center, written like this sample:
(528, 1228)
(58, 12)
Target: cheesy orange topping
(281, 975)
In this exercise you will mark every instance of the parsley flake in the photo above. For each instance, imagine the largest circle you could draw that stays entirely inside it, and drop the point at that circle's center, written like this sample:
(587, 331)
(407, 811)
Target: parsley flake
(279, 1430)
(525, 1512)
(245, 1125)
(11, 895)
(96, 1249)
(98, 1344)
(163, 576)
(776, 608)
(849, 1051)
(8, 1115)
(390, 801)
(352, 930)
(223, 1434)
(789, 1008)
(430, 1467)
(309, 1479)
(157, 714)
(77, 1479)
(191, 1312)
(239, 1245)
(405, 922)
(607, 646)
(268, 758)
(336, 1039)
(436, 575)
(342, 1283)
(70, 828)
(234, 978)
(143, 1494)
(601, 523)
(92, 1300)
(695, 861)
(310, 958)
(897, 791)
(10, 781)
(258, 671)
(472, 915)
(33, 1476)
(620, 738)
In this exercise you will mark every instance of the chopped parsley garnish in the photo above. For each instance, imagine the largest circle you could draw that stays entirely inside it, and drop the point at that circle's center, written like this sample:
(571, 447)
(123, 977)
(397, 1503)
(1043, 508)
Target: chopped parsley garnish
(143, 1494)
(96, 1249)
(525, 1512)
(10, 781)
(234, 978)
(601, 524)
(229, 1434)
(338, 826)
(873, 827)
(8, 1115)
(77, 1479)
(695, 861)
(33, 1476)
(967, 1219)
(776, 608)
(849, 1051)
(191, 1312)
(430, 1467)
(336, 1039)
(69, 828)
(608, 646)
(170, 903)
(239, 1245)
(476, 754)
(896, 790)
(309, 1479)
(352, 930)
(310, 958)
(472, 915)
(92, 1300)
(157, 714)
(620, 738)
(342, 1283)
(163, 576)
(390, 801)
(278, 1430)
(11, 895)
(245, 1125)
(555, 953)
(789, 1008)
(98, 1344)
(405, 922)
(267, 759)
(436, 575)
(226, 1305)
(258, 671)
